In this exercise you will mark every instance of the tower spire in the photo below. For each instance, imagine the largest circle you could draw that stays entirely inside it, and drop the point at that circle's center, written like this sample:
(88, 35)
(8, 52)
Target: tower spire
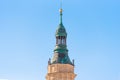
(61, 15)
(61, 52)
(60, 66)
(61, 10)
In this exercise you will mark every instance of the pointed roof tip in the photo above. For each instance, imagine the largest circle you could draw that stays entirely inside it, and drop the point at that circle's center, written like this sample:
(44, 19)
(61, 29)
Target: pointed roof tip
(61, 15)
(61, 31)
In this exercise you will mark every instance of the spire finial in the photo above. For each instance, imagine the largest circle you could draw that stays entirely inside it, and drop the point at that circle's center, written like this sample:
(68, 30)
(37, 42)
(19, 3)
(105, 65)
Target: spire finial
(61, 16)
(61, 12)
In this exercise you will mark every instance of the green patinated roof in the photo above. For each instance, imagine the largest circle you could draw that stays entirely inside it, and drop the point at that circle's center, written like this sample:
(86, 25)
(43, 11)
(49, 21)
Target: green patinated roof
(61, 58)
(61, 51)
(61, 31)
(61, 55)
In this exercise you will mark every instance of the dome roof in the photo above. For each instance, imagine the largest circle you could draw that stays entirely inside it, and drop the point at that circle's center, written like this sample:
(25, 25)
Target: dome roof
(61, 31)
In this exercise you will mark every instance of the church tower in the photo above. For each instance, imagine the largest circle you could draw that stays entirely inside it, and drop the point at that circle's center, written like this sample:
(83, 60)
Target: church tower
(60, 66)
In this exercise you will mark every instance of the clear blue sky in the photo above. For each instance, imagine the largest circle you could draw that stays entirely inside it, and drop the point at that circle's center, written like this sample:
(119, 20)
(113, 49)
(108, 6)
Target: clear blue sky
(27, 37)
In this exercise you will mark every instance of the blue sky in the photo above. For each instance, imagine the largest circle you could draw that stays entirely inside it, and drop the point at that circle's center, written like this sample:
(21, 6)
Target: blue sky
(27, 37)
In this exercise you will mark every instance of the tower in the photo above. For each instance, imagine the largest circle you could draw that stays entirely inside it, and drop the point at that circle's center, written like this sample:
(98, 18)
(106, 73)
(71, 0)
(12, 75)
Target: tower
(60, 67)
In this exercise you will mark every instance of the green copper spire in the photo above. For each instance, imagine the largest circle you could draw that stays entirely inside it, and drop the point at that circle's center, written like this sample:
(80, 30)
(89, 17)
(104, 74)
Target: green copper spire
(60, 16)
(61, 51)
(61, 30)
